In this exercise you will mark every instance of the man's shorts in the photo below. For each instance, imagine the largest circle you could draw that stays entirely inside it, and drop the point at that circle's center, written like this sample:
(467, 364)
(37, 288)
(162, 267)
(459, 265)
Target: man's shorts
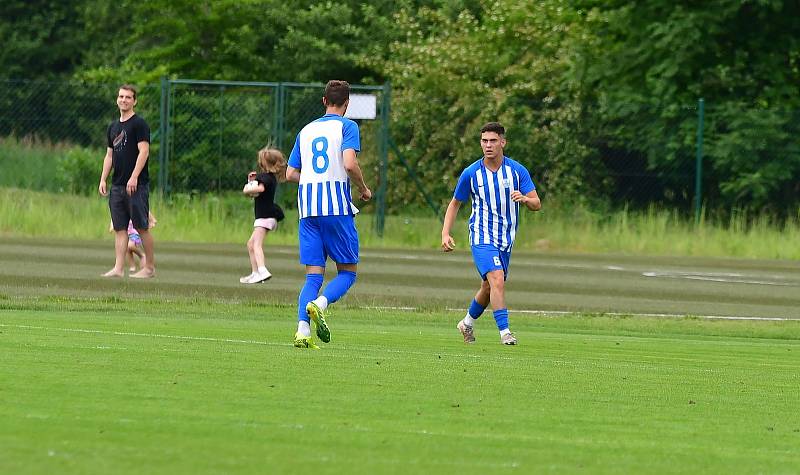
(328, 236)
(126, 208)
(488, 258)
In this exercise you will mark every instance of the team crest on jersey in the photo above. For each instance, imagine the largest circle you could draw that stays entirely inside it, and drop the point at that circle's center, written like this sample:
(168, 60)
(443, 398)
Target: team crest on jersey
(506, 182)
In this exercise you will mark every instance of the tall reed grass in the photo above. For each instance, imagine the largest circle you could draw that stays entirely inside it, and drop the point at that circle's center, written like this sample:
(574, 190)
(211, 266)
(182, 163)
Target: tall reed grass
(228, 219)
(29, 163)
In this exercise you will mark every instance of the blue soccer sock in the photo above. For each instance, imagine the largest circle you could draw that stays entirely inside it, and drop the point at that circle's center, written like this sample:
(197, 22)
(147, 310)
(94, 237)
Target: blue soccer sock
(475, 309)
(339, 286)
(501, 318)
(308, 293)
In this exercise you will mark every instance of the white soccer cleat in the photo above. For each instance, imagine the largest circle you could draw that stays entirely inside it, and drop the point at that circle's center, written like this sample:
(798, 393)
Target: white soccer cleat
(246, 279)
(466, 332)
(508, 339)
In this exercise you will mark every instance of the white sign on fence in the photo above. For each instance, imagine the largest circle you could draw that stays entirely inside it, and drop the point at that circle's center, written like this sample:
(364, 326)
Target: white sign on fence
(362, 106)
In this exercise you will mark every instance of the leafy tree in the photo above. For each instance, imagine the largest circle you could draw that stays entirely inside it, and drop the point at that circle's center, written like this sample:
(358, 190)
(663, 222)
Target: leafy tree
(741, 57)
(41, 38)
(453, 74)
(599, 96)
(252, 40)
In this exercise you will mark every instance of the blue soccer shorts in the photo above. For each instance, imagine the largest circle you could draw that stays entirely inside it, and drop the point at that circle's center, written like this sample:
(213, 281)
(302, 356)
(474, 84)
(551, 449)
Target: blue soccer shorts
(328, 236)
(489, 258)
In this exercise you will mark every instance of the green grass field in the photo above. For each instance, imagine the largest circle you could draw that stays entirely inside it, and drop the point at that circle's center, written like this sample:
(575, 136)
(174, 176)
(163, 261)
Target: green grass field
(192, 372)
(124, 386)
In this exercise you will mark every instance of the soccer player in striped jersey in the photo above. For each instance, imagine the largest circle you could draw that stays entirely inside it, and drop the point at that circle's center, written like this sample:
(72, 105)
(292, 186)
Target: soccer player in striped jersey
(497, 185)
(324, 163)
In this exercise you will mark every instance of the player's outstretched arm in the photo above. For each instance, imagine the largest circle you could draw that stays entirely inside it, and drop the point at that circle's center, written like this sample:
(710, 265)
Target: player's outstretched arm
(531, 200)
(448, 244)
(354, 172)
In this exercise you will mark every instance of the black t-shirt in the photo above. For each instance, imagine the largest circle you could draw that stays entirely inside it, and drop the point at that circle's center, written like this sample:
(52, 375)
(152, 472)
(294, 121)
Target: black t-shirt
(123, 139)
(264, 203)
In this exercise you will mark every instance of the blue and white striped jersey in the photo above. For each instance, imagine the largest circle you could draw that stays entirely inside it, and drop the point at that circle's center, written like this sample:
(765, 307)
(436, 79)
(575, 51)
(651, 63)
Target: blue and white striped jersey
(495, 216)
(324, 185)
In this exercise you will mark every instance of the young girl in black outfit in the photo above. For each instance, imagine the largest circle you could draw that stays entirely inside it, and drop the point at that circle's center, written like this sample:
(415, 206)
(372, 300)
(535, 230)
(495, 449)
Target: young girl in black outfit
(261, 187)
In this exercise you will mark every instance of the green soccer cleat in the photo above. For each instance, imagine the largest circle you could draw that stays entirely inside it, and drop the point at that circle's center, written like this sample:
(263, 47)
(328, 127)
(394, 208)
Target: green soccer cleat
(318, 315)
(301, 341)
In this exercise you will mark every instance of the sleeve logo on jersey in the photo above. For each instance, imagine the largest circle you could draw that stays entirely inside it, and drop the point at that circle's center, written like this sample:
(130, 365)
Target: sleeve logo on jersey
(120, 140)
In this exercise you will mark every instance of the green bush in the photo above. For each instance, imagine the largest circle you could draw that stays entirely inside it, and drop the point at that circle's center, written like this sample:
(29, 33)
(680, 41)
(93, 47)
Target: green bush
(78, 170)
(57, 167)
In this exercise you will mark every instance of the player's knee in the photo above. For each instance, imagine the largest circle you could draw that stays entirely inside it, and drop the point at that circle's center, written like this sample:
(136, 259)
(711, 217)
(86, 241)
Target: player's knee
(495, 280)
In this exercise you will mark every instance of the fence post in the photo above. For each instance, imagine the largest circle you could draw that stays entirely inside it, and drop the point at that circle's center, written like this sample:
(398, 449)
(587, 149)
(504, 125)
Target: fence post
(162, 137)
(219, 138)
(383, 151)
(698, 182)
(169, 152)
(276, 112)
(281, 113)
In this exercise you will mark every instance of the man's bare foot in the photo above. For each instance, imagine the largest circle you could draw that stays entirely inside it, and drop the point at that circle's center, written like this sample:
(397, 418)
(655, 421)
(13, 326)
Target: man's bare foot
(143, 274)
(113, 273)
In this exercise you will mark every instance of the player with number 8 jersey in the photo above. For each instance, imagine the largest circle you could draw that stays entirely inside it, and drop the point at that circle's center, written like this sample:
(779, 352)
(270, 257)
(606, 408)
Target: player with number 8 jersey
(324, 162)
(324, 188)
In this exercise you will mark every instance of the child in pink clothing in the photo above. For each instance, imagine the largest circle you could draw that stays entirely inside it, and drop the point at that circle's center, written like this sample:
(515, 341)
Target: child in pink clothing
(135, 248)
(272, 168)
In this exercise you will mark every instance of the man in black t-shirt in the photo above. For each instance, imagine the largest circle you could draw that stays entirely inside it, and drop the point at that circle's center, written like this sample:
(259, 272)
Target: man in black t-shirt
(128, 149)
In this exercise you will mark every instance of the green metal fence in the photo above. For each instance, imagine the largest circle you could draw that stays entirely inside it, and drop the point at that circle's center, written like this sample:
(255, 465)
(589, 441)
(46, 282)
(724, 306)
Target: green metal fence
(205, 135)
(212, 131)
(65, 112)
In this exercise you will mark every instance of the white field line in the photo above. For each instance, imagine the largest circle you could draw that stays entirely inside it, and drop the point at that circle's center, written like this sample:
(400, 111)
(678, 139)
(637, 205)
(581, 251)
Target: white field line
(554, 313)
(246, 342)
(668, 315)
(615, 314)
(714, 277)
(149, 335)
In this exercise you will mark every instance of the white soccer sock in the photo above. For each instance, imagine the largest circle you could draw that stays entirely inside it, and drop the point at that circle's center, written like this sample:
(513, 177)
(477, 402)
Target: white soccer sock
(262, 269)
(468, 320)
(322, 302)
(303, 328)
(503, 332)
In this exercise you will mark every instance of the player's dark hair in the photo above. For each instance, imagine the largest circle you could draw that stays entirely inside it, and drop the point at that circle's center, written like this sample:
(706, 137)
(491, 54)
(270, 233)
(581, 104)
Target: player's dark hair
(130, 87)
(494, 127)
(337, 92)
